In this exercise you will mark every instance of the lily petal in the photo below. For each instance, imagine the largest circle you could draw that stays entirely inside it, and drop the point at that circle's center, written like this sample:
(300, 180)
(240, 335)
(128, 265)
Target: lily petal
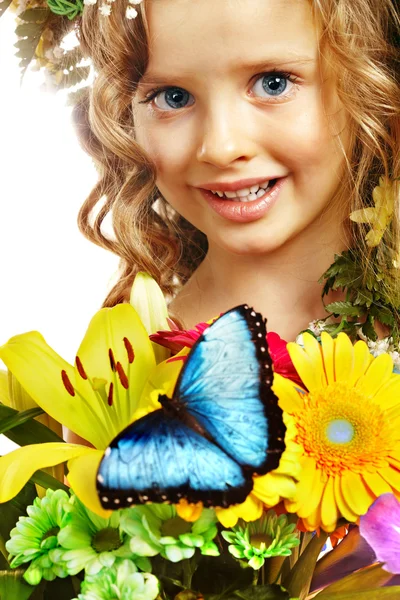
(149, 302)
(4, 396)
(82, 479)
(39, 369)
(119, 330)
(162, 380)
(17, 467)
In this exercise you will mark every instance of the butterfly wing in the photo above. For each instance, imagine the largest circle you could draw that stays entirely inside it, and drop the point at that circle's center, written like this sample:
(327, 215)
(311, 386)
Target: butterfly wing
(158, 458)
(225, 385)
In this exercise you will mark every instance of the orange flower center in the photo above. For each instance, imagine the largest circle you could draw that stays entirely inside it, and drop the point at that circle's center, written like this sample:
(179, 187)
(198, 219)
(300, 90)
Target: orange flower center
(341, 429)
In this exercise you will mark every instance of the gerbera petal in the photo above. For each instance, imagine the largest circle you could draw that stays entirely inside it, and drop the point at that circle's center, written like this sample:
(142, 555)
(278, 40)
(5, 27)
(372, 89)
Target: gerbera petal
(378, 372)
(120, 330)
(272, 487)
(318, 486)
(362, 360)
(314, 351)
(289, 394)
(250, 510)
(344, 358)
(329, 509)
(304, 365)
(313, 521)
(376, 483)
(389, 394)
(302, 496)
(357, 495)
(392, 476)
(39, 370)
(328, 350)
(17, 467)
(343, 506)
(82, 479)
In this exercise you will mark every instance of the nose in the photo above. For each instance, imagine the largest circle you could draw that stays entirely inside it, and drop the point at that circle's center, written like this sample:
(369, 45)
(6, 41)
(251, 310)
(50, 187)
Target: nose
(226, 136)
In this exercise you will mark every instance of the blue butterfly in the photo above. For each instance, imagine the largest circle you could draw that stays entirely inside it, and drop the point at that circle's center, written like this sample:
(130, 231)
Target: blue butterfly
(222, 425)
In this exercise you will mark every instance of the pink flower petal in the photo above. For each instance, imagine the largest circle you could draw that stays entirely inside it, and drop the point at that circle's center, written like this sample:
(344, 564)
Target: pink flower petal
(381, 528)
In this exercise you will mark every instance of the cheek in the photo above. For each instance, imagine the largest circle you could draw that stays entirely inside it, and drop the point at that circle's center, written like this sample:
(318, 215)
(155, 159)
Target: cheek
(311, 151)
(168, 147)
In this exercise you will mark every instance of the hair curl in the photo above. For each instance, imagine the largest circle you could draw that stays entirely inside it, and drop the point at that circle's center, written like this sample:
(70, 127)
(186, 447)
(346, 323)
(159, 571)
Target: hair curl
(359, 37)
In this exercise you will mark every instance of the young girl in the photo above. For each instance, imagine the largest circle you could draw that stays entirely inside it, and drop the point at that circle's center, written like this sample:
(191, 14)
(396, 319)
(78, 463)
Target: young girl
(233, 140)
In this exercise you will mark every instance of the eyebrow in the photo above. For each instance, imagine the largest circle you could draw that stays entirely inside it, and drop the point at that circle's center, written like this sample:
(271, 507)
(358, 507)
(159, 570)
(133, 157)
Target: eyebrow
(264, 65)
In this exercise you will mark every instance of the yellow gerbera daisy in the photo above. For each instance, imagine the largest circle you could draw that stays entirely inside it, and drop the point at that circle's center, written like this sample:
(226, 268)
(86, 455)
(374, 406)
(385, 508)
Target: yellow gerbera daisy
(348, 425)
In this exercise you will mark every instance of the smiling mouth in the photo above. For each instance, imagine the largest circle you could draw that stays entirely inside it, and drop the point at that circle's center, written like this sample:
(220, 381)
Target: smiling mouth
(246, 194)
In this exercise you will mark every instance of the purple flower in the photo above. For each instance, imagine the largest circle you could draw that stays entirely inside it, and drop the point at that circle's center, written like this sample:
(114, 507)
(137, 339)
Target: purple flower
(380, 527)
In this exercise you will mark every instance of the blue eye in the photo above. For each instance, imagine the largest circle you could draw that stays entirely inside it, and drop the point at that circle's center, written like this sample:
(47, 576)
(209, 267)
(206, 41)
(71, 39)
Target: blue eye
(170, 98)
(273, 84)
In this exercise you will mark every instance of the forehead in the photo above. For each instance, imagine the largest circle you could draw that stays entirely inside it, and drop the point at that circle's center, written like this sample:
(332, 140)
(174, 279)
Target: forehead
(219, 34)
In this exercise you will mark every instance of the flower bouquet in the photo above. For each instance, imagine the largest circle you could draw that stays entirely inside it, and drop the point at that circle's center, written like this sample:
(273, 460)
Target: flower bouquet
(318, 515)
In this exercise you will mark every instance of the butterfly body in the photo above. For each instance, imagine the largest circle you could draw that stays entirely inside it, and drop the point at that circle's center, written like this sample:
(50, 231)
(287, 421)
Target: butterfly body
(222, 426)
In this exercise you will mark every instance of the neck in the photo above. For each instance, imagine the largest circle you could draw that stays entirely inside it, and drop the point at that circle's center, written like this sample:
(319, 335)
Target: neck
(281, 285)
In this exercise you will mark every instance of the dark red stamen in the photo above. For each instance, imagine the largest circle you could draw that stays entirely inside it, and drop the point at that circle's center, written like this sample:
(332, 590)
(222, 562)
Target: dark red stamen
(129, 350)
(122, 377)
(110, 394)
(80, 368)
(67, 384)
(112, 359)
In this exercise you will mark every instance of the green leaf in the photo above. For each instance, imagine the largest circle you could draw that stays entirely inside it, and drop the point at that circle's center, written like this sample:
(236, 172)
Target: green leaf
(18, 419)
(387, 593)
(13, 587)
(29, 30)
(47, 481)
(383, 314)
(364, 579)
(259, 592)
(12, 510)
(299, 578)
(368, 329)
(75, 76)
(35, 15)
(27, 47)
(31, 432)
(4, 5)
(343, 308)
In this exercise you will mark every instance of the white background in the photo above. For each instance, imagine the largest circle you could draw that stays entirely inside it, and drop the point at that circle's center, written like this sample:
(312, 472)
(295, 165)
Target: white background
(51, 278)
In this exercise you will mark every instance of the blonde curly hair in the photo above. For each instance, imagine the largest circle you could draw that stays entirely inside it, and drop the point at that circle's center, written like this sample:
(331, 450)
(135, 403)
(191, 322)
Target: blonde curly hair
(360, 39)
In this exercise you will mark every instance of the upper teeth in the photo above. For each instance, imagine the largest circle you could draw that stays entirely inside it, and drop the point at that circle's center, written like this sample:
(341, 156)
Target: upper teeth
(251, 193)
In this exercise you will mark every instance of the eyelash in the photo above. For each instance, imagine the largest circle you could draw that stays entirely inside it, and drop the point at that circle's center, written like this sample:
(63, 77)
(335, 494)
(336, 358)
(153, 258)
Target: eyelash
(153, 93)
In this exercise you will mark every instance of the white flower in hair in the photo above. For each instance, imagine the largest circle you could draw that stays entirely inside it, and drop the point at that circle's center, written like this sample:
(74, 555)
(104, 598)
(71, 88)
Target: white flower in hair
(135, 1)
(131, 13)
(105, 10)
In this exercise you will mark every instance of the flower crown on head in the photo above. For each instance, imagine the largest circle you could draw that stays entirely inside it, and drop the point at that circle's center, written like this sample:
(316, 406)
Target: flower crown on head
(105, 8)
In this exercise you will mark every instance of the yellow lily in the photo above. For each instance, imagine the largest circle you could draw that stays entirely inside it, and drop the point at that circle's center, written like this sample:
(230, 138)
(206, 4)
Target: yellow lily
(113, 381)
(12, 394)
(379, 216)
(149, 302)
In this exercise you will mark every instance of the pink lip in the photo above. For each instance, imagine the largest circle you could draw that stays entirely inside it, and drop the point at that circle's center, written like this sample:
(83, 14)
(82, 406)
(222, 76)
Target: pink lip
(245, 212)
(235, 185)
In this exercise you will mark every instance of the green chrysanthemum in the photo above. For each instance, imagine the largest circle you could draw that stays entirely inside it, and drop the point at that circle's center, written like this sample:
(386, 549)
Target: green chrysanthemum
(90, 542)
(157, 529)
(35, 537)
(120, 582)
(267, 537)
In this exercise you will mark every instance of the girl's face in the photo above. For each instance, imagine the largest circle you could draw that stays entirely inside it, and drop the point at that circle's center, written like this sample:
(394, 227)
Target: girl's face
(234, 96)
